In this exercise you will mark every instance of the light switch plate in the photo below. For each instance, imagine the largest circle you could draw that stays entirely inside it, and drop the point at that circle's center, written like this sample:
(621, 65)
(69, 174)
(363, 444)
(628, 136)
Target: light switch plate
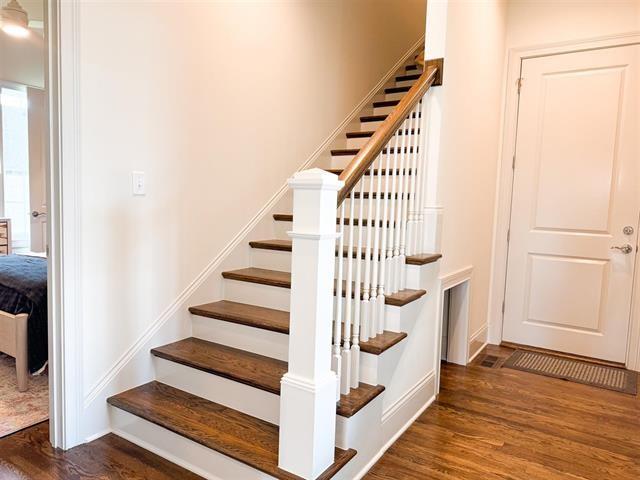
(137, 183)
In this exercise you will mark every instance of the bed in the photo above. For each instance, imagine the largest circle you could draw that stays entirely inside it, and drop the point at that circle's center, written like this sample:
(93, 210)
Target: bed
(23, 313)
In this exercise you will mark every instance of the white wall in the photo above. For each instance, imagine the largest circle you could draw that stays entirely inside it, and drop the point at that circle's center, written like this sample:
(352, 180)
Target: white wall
(538, 22)
(471, 106)
(219, 105)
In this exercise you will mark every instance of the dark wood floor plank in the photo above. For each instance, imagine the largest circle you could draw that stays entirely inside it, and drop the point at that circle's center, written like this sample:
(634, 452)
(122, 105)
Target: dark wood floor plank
(255, 370)
(28, 455)
(237, 435)
(501, 423)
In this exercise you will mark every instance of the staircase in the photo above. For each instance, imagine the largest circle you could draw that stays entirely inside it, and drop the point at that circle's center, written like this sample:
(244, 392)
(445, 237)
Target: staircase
(215, 405)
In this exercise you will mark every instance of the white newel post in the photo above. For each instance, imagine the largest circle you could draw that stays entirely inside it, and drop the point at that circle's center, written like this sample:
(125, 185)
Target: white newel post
(308, 394)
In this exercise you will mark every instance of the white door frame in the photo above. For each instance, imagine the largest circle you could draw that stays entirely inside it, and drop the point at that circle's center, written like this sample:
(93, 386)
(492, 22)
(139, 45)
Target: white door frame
(504, 191)
(63, 192)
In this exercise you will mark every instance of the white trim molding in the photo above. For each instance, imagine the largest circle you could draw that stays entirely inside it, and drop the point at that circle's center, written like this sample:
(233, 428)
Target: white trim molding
(504, 182)
(65, 283)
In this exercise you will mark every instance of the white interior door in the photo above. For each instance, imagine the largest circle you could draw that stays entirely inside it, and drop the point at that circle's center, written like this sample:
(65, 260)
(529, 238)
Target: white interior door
(575, 201)
(37, 170)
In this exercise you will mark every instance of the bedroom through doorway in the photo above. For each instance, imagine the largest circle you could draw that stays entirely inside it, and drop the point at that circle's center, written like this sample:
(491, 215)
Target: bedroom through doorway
(24, 384)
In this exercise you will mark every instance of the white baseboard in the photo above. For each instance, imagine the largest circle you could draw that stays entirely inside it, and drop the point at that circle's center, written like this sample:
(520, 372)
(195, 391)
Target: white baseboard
(482, 335)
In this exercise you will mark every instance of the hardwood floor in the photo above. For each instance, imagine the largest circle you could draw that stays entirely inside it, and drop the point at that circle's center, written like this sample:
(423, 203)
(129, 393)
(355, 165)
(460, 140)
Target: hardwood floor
(487, 424)
(28, 455)
(498, 423)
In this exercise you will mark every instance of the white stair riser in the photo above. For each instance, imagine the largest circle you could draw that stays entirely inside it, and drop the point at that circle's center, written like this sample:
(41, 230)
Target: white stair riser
(257, 294)
(360, 142)
(405, 83)
(246, 399)
(341, 161)
(256, 340)
(180, 450)
(394, 96)
(383, 110)
(276, 260)
(369, 126)
(357, 142)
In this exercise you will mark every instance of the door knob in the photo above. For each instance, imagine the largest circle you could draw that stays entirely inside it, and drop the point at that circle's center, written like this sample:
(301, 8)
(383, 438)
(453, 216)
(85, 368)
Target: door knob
(36, 214)
(626, 249)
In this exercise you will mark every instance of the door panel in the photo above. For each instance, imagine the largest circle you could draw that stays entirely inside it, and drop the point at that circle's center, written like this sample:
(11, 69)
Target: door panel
(575, 189)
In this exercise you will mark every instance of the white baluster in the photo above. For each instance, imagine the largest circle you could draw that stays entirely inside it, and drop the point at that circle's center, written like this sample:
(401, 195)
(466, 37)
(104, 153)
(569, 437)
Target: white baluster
(402, 174)
(378, 229)
(345, 379)
(405, 211)
(336, 363)
(366, 288)
(423, 142)
(355, 344)
(392, 216)
(384, 252)
(412, 214)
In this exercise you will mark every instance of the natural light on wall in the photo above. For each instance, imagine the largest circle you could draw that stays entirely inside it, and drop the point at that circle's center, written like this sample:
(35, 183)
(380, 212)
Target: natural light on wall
(14, 128)
(14, 21)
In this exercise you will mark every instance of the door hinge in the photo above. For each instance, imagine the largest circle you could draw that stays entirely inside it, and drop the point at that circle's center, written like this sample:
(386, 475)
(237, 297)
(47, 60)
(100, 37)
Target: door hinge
(513, 163)
(503, 306)
(508, 235)
(519, 84)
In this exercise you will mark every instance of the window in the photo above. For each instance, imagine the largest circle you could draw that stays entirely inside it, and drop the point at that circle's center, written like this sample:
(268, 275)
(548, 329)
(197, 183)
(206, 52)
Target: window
(15, 164)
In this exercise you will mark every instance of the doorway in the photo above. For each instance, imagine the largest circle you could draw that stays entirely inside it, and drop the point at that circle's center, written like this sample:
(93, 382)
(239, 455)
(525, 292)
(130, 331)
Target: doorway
(455, 324)
(24, 313)
(574, 214)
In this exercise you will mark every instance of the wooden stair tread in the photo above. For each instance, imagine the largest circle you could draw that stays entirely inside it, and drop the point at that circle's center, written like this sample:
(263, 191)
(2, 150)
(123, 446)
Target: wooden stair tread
(341, 152)
(397, 89)
(386, 103)
(404, 78)
(242, 437)
(287, 246)
(423, 258)
(278, 321)
(259, 371)
(370, 133)
(243, 314)
(277, 278)
(411, 67)
(382, 118)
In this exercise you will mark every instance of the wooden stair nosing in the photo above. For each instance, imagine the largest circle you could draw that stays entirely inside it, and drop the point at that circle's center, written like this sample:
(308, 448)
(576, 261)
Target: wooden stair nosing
(234, 434)
(276, 278)
(252, 369)
(286, 246)
(278, 321)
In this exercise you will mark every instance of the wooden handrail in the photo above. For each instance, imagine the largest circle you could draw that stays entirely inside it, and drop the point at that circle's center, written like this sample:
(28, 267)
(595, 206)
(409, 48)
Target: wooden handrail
(367, 154)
